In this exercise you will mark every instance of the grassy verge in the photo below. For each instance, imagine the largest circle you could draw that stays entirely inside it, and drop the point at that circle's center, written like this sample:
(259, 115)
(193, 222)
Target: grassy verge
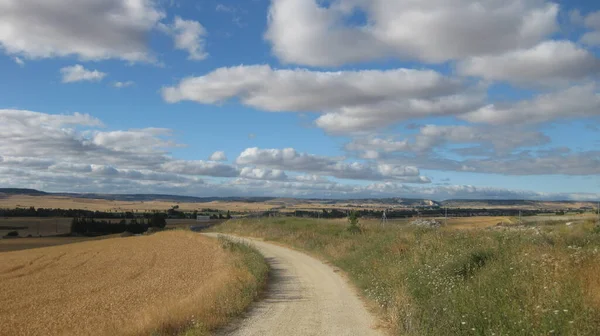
(508, 281)
(245, 284)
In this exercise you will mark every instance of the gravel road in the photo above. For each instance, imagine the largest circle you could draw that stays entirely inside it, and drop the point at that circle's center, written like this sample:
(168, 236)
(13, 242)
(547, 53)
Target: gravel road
(305, 297)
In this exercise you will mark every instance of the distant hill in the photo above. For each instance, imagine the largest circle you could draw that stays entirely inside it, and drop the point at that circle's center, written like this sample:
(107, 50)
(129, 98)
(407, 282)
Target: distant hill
(135, 197)
(283, 202)
(19, 191)
(518, 204)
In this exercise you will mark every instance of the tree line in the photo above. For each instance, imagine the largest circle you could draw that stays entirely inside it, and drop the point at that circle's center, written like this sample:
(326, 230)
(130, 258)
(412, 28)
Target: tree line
(411, 213)
(92, 227)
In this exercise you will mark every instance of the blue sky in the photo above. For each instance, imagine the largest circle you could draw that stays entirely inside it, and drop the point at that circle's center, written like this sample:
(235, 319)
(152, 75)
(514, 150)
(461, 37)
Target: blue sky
(347, 98)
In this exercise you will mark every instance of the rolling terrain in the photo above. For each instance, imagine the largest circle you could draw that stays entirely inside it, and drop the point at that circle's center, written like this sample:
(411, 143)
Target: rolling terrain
(24, 198)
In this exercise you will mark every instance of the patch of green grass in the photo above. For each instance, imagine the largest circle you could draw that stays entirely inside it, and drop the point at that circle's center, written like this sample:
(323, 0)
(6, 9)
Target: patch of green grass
(529, 281)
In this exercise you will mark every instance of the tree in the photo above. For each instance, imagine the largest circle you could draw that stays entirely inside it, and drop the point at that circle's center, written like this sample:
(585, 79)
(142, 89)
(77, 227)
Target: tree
(228, 215)
(353, 223)
(158, 221)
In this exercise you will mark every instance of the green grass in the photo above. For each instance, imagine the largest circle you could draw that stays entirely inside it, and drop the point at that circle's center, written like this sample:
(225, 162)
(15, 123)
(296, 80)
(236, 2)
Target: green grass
(529, 281)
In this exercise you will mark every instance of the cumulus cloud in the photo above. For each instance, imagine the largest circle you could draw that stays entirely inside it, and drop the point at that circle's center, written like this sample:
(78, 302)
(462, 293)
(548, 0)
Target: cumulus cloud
(432, 137)
(87, 29)
(575, 102)
(200, 168)
(72, 143)
(263, 174)
(548, 63)
(77, 73)
(592, 38)
(529, 162)
(435, 31)
(72, 153)
(218, 156)
(350, 101)
(289, 159)
(189, 36)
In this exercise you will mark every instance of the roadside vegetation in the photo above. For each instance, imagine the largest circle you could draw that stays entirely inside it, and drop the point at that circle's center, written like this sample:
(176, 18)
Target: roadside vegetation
(503, 280)
(169, 283)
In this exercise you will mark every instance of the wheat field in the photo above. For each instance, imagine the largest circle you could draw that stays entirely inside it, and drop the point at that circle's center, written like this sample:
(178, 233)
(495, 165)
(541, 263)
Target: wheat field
(160, 284)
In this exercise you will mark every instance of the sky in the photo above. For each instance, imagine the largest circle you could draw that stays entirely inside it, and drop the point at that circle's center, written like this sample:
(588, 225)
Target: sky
(436, 99)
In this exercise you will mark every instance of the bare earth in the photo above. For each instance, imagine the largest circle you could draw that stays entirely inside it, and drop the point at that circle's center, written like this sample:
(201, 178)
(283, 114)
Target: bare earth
(306, 297)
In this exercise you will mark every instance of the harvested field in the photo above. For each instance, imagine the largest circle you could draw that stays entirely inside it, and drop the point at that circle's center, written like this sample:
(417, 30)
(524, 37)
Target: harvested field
(36, 226)
(165, 283)
(63, 202)
(16, 244)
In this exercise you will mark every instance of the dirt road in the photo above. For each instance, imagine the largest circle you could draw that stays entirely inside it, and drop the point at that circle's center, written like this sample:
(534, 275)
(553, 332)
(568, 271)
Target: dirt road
(305, 297)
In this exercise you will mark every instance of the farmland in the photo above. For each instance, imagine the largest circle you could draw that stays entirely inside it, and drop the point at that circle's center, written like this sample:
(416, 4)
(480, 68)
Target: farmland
(471, 277)
(54, 231)
(65, 202)
(165, 283)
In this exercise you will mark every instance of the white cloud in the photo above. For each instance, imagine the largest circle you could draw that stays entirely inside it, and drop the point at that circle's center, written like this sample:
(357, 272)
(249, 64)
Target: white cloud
(432, 137)
(547, 63)
(351, 101)
(189, 36)
(19, 61)
(200, 168)
(263, 174)
(121, 85)
(575, 102)
(77, 73)
(289, 159)
(525, 162)
(218, 156)
(88, 29)
(147, 140)
(69, 153)
(592, 38)
(360, 119)
(304, 32)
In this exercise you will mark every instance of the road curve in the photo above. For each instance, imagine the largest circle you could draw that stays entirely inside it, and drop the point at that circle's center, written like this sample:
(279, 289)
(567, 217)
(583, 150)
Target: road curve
(305, 297)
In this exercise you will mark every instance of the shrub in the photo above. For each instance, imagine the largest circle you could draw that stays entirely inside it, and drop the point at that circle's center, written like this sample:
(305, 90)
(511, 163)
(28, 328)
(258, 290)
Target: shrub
(476, 260)
(353, 223)
(12, 234)
(158, 221)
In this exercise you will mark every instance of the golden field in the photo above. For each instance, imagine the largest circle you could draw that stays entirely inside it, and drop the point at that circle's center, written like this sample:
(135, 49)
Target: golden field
(165, 283)
(7, 245)
(62, 202)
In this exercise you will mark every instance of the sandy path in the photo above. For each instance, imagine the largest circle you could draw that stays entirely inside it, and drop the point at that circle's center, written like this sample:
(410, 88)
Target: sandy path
(305, 297)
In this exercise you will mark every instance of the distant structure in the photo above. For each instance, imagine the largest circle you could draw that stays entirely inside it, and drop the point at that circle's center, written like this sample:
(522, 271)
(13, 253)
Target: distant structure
(384, 219)
(202, 218)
